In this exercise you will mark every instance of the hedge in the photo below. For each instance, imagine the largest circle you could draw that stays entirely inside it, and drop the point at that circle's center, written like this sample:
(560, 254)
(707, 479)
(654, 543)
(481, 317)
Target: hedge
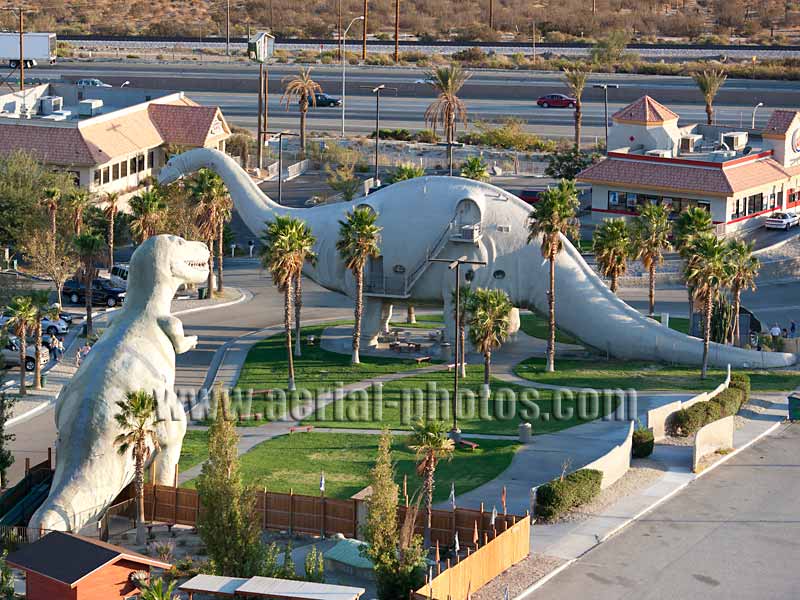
(741, 381)
(557, 497)
(728, 402)
(643, 442)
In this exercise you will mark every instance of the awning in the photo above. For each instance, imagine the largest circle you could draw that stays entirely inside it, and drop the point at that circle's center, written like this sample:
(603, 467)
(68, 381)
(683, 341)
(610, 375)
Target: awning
(213, 584)
(269, 587)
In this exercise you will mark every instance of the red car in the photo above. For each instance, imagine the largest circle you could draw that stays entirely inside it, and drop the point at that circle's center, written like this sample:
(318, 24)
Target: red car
(556, 101)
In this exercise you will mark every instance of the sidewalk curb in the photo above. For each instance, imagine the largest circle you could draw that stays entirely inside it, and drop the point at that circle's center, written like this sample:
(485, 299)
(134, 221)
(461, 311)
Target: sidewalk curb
(541, 582)
(246, 295)
(29, 414)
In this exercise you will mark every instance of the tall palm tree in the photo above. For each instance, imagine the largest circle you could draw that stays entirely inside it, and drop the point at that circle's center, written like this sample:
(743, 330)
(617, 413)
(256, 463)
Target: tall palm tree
(359, 239)
(448, 108)
(430, 443)
(488, 325)
(44, 309)
(707, 272)
(744, 268)
(22, 318)
(79, 201)
(212, 205)
(612, 246)
(576, 82)
(463, 308)
(303, 89)
(147, 213)
(51, 200)
(690, 223)
(135, 421)
(111, 210)
(90, 249)
(552, 217)
(281, 257)
(305, 241)
(650, 232)
(709, 82)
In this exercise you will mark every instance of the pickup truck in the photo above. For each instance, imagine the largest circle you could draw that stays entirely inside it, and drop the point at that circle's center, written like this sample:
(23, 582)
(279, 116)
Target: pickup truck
(103, 292)
(10, 353)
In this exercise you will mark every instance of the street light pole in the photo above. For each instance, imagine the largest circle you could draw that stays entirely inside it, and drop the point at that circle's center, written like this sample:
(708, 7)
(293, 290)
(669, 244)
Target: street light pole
(344, 64)
(755, 108)
(604, 87)
(377, 91)
(455, 265)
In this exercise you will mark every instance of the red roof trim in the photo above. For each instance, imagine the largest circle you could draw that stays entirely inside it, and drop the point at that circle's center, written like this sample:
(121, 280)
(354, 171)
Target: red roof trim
(758, 214)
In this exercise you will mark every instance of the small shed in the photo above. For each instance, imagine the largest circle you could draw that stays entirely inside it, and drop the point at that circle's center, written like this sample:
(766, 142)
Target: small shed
(64, 566)
(268, 587)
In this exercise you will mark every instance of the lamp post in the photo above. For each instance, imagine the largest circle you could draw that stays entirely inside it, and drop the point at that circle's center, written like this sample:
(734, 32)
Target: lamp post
(455, 265)
(377, 91)
(604, 87)
(755, 108)
(279, 135)
(344, 63)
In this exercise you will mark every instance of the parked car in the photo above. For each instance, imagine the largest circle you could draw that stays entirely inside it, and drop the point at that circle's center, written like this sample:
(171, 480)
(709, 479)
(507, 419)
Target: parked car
(103, 292)
(325, 100)
(119, 275)
(47, 341)
(92, 83)
(10, 354)
(556, 101)
(530, 196)
(51, 326)
(782, 220)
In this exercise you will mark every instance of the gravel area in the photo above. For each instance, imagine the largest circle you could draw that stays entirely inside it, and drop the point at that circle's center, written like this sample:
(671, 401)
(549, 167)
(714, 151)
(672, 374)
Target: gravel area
(675, 440)
(642, 474)
(519, 577)
(790, 249)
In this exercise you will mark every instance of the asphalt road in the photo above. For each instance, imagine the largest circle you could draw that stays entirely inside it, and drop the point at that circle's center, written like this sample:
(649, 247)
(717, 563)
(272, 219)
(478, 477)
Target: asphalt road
(489, 95)
(731, 535)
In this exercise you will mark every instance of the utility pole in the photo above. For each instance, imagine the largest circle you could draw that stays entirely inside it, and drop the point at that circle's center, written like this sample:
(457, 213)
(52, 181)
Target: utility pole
(20, 10)
(227, 27)
(261, 128)
(339, 26)
(491, 14)
(533, 38)
(364, 45)
(396, 31)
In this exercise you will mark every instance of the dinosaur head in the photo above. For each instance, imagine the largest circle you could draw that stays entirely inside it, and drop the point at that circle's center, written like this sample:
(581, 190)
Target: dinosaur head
(162, 263)
(171, 171)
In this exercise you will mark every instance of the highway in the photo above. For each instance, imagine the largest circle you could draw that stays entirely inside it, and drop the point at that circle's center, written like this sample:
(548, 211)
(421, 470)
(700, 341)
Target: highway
(489, 95)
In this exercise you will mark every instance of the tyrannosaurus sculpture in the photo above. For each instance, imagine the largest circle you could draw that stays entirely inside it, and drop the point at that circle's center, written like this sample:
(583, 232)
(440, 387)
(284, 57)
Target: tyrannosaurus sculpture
(449, 217)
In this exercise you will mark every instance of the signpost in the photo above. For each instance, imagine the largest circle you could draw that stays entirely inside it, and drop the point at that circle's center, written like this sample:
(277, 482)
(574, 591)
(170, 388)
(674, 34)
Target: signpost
(260, 48)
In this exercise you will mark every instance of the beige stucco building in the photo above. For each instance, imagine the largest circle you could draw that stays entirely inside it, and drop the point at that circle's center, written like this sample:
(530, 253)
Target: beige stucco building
(740, 177)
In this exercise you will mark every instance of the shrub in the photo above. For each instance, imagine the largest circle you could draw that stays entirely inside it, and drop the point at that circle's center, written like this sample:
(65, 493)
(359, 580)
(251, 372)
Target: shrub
(729, 401)
(643, 442)
(555, 498)
(687, 421)
(427, 136)
(741, 381)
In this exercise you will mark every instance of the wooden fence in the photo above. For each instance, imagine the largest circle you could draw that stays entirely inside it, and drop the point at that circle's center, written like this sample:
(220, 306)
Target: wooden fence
(464, 521)
(470, 573)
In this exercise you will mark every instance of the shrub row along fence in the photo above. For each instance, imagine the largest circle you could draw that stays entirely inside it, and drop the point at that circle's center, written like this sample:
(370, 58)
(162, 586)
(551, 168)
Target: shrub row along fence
(467, 575)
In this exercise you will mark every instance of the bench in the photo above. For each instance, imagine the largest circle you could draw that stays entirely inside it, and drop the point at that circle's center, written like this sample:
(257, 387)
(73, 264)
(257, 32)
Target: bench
(468, 444)
(422, 359)
(306, 428)
(450, 367)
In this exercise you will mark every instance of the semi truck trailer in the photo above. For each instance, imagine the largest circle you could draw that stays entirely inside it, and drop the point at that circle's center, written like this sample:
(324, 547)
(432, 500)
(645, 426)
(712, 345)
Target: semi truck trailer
(37, 48)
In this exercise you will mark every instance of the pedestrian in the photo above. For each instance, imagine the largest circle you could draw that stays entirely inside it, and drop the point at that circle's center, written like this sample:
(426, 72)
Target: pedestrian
(58, 349)
(784, 333)
(775, 332)
(793, 329)
(82, 353)
(251, 246)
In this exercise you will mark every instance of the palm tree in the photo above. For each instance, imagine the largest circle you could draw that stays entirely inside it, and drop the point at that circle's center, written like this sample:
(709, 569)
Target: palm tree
(430, 443)
(690, 223)
(744, 269)
(475, 168)
(158, 589)
(213, 206)
(90, 248)
(576, 82)
(359, 239)
(111, 210)
(138, 436)
(707, 272)
(51, 199)
(650, 233)
(44, 309)
(22, 318)
(463, 308)
(488, 326)
(147, 213)
(79, 201)
(405, 171)
(305, 241)
(612, 246)
(709, 82)
(448, 108)
(553, 217)
(303, 89)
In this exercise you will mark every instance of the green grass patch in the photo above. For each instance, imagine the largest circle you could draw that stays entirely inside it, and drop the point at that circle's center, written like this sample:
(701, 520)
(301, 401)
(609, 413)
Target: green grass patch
(296, 461)
(405, 400)
(424, 321)
(195, 449)
(538, 327)
(680, 324)
(640, 375)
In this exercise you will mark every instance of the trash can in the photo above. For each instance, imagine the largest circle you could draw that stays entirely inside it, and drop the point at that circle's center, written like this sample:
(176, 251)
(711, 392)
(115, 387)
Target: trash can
(201, 293)
(44, 379)
(794, 407)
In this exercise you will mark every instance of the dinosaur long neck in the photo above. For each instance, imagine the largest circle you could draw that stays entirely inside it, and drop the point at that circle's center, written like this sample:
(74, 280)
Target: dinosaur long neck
(253, 205)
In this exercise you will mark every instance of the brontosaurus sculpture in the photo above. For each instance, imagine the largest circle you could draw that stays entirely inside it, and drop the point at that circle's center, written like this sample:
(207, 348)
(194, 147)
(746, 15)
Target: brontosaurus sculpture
(136, 352)
(449, 217)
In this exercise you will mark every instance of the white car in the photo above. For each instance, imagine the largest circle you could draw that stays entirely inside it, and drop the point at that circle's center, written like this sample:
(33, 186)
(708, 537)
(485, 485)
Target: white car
(782, 220)
(91, 83)
(51, 326)
(10, 354)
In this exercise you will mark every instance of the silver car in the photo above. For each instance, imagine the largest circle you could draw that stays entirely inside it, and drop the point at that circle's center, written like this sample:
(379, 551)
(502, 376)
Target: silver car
(10, 353)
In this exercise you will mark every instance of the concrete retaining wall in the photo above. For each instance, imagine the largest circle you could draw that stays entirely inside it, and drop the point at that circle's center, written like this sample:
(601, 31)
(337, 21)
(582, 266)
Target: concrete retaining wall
(616, 463)
(714, 436)
(657, 418)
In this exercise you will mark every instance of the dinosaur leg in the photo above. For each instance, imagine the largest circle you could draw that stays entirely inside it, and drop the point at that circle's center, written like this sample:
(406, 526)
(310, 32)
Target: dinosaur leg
(449, 317)
(171, 430)
(375, 320)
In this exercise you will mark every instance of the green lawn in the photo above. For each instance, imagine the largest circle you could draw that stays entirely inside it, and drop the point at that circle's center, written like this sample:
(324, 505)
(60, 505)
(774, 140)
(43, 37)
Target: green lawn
(538, 327)
(424, 321)
(677, 323)
(296, 461)
(403, 401)
(195, 449)
(644, 376)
